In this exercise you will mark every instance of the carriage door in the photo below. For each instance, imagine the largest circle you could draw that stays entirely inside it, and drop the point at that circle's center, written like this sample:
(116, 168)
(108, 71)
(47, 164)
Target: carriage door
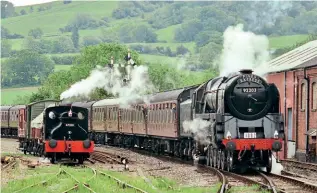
(291, 148)
(21, 127)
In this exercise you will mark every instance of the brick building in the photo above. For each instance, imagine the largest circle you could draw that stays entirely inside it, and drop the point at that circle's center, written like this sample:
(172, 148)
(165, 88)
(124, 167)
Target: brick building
(295, 75)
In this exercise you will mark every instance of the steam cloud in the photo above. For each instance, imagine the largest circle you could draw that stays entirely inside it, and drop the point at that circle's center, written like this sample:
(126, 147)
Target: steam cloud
(199, 128)
(111, 81)
(243, 49)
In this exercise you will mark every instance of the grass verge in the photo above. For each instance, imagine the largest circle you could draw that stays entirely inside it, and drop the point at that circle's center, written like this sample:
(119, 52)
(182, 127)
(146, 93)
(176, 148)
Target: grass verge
(100, 183)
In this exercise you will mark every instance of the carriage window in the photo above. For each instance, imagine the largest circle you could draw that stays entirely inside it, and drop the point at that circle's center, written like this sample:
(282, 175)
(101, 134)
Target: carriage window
(171, 115)
(303, 96)
(314, 96)
(155, 116)
(150, 116)
(165, 115)
(161, 116)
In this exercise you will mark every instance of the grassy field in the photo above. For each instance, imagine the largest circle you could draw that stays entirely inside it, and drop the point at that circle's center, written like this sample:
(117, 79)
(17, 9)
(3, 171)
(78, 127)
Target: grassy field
(60, 182)
(62, 67)
(58, 16)
(8, 96)
(285, 41)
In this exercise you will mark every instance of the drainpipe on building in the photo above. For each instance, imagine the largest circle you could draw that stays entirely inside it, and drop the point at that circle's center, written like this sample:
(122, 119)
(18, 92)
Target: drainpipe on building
(285, 119)
(295, 96)
(307, 107)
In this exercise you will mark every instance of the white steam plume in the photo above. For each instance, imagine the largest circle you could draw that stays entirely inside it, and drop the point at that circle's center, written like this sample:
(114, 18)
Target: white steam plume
(112, 82)
(242, 50)
(276, 167)
(199, 128)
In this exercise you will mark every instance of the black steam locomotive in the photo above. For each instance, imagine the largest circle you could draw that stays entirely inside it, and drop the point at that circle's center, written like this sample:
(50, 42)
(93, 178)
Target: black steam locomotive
(246, 125)
(66, 133)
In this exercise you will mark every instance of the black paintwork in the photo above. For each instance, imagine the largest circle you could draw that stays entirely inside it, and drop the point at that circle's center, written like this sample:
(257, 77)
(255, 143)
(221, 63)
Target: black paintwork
(72, 128)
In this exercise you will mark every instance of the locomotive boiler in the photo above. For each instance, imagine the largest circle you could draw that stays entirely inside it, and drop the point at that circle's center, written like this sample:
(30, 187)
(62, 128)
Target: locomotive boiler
(246, 126)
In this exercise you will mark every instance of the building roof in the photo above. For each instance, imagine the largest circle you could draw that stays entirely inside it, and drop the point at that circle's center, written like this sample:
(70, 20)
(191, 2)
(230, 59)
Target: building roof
(301, 57)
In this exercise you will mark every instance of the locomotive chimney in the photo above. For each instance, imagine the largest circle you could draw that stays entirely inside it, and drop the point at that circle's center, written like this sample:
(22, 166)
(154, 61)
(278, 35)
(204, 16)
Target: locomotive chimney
(246, 71)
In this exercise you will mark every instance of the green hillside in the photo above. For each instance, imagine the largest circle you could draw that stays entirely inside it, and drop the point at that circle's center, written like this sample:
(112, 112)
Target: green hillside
(161, 32)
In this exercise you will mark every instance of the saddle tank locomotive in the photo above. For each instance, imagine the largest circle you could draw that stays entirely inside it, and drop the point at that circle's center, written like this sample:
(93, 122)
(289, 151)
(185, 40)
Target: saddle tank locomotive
(246, 125)
(66, 133)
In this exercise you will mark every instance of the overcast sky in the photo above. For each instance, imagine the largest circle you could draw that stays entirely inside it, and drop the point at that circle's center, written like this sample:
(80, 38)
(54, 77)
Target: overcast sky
(28, 2)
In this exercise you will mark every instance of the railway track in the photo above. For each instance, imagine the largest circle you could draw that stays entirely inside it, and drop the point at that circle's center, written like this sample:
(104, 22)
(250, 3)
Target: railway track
(270, 182)
(11, 163)
(287, 184)
(226, 179)
(106, 157)
(300, 165)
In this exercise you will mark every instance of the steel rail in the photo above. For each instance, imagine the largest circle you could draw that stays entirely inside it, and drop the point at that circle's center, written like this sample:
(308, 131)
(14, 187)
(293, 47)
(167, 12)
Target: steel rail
(301, 165)
(123, 184)
(303, 184)
(86, 185)
(60, 171)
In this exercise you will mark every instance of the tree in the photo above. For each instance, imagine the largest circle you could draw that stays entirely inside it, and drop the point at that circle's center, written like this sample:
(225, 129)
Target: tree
(67, 1)
(36, 33)
(142, 33)
(23, 12)
(63, 45)
(28, 68)
(4, 33)
(7, 9)
(75, 37)
(90, 56)
(5, 48)
(31, 9)
(181, 50)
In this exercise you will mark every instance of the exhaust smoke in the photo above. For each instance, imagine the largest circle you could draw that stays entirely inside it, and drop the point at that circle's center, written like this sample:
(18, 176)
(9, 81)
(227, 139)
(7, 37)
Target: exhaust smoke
(110, 79)
(199, 128)
(243, 50)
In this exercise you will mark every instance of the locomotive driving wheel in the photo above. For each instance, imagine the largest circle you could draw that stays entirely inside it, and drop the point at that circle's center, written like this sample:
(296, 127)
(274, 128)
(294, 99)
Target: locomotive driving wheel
(208, 156)
(214, 157)
(269, 162)
(211, 157)
(230, 161)
(218, 159)
(223, 160)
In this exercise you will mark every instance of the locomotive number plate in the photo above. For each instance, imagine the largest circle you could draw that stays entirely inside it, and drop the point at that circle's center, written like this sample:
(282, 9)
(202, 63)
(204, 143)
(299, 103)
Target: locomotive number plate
(249, 135)
(249, 90)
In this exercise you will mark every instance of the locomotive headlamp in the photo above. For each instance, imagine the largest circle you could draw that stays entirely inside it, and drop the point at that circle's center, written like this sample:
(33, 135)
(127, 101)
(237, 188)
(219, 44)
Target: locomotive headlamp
(228, 136)
(276, 134)
(52, 115)
(81, 116)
